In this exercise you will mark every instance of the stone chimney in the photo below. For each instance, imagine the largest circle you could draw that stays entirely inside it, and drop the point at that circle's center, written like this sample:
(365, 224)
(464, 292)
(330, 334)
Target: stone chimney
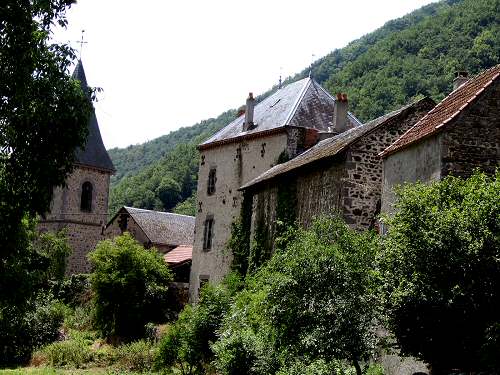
(460, 79)
(340, 114)
(248, 124)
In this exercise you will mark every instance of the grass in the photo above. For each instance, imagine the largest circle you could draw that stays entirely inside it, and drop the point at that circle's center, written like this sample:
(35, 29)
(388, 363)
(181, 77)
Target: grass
(53, 371)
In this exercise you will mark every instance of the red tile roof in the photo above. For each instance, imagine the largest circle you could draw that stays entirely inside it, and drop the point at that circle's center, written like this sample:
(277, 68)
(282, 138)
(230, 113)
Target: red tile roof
(180, 254)
(449, 108)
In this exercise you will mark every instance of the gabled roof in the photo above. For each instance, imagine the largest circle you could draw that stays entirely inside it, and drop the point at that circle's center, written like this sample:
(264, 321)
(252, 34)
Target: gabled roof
(302, 103)
(332, 146)
(179, 255)
(94, 153)
(162, 228)
(448, 109)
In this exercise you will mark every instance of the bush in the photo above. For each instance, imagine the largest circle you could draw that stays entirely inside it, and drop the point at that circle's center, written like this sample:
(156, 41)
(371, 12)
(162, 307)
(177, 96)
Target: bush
(136, 356)
(129, 287)
(74, 352)
(188, 341)
(317, 300)
(23, 330)
(74, 290)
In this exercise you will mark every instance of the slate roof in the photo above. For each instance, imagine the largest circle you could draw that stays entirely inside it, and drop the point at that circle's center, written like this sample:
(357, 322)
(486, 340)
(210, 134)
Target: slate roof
(162, 228)
(331, 146)
(302, 103)
(94, 153)
(448, 109)
(179, 255)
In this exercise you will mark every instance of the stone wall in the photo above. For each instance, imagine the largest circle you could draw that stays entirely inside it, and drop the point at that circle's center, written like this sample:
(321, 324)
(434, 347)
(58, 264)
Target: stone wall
(84, 229)
(473, 139)
(419, 162)
(113, 230)
(235, 164)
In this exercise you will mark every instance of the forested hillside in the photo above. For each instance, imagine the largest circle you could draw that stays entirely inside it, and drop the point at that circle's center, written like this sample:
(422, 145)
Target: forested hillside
(408, 57)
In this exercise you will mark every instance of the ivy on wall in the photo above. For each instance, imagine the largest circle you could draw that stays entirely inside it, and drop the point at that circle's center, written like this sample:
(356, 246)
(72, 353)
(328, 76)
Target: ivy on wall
(239, 242)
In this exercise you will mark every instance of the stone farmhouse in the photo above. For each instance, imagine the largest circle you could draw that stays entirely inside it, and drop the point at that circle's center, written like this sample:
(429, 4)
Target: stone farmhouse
(81, 206)
(457, 136)
(282, 126)
(162, 230)
(335, 163)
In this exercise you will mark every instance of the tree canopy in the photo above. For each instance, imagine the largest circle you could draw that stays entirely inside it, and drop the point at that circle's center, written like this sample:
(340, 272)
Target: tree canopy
(441, 267)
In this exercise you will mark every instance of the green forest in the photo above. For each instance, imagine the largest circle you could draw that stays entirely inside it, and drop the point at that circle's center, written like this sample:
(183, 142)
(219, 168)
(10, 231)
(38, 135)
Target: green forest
(406, 58)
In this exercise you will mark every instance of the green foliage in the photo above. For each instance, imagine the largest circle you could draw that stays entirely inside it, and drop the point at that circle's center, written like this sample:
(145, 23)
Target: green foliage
(239, 242)
(54, 246)
(408, 57)
(24, 329)
(187, 207)
(186, 344)
(136, 356)
(129, 287)
(315, 300)
(442, 271)
(75, 352)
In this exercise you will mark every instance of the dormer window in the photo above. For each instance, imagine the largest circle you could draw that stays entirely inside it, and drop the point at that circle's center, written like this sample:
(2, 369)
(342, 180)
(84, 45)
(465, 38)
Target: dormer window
(212, 179)
(86, 199)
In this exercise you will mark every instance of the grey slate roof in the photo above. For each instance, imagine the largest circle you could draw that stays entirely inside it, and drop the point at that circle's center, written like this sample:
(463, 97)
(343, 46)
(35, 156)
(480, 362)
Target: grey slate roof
(328, 147)
(94, 153)
(302, 103)
(163, 228)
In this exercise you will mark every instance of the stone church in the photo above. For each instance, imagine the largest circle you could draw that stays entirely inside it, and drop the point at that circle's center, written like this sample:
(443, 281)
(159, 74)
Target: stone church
(81, 206)
(302, 141)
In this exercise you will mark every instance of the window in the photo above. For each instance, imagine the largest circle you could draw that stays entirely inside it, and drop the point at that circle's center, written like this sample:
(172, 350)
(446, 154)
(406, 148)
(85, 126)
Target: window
(86, 201)
(212, 179)
(203, 281)
(208, 233)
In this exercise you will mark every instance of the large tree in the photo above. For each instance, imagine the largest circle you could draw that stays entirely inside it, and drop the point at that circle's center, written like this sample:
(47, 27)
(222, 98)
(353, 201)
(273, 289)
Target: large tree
(442, 271)
(43, 112)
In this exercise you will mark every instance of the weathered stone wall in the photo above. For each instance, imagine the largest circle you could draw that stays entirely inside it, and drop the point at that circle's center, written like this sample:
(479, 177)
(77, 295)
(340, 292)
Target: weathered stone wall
(236, 164)
(84, 229)
(473, 139)
(362, 185)
(419, 162)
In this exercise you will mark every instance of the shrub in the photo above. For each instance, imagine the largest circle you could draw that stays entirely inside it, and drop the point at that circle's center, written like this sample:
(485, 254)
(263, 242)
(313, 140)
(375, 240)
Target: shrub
(136, 356)
(129, 287)
(317, 299)
(74, 352)
(23, 330)
(188, 341)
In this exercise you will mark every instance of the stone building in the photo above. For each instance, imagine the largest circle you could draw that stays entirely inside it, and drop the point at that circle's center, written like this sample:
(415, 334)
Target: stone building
(458, 135)
(339, 175)
(80, 207)
(162, 230)
(281, 126)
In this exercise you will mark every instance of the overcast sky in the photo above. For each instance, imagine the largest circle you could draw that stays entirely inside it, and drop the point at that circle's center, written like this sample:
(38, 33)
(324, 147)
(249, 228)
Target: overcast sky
(167, 64)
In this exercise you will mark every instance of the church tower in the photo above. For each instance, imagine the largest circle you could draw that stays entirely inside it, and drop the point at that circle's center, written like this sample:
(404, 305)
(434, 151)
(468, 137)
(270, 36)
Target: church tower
(81, 206)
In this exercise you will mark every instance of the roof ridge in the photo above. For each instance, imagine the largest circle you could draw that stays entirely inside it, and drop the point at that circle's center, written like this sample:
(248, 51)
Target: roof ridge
(453, 95)
(159, 212)
(297, 101)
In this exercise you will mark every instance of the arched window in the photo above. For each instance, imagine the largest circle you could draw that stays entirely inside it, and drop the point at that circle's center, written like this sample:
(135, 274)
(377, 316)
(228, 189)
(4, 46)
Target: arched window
(86, 202)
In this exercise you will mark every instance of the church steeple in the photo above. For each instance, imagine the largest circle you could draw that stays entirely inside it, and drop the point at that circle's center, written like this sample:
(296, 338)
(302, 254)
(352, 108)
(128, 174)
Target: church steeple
(94, 153)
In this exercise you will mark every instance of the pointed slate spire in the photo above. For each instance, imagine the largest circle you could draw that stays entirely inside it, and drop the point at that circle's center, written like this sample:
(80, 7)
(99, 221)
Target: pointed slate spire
(94, 153)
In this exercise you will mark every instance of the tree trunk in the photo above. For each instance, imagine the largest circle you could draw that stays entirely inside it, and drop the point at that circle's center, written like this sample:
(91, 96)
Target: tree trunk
(357, 367)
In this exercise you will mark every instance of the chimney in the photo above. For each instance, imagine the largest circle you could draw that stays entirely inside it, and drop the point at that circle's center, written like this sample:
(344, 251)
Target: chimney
(460, 79)
(340, 114)
(249, 113)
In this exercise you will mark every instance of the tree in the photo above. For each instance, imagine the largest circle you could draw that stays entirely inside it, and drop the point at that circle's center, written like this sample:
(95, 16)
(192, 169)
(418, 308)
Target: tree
(442, 271)
(129, 285)
(43, 112)
(315, 300)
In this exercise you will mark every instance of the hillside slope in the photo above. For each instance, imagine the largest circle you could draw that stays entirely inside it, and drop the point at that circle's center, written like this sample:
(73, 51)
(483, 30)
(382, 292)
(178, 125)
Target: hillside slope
(412, 56)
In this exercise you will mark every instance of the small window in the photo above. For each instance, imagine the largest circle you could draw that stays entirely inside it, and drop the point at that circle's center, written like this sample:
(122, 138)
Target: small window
(208, 233)
(212, 179)
(86, 201)
(204, 279)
